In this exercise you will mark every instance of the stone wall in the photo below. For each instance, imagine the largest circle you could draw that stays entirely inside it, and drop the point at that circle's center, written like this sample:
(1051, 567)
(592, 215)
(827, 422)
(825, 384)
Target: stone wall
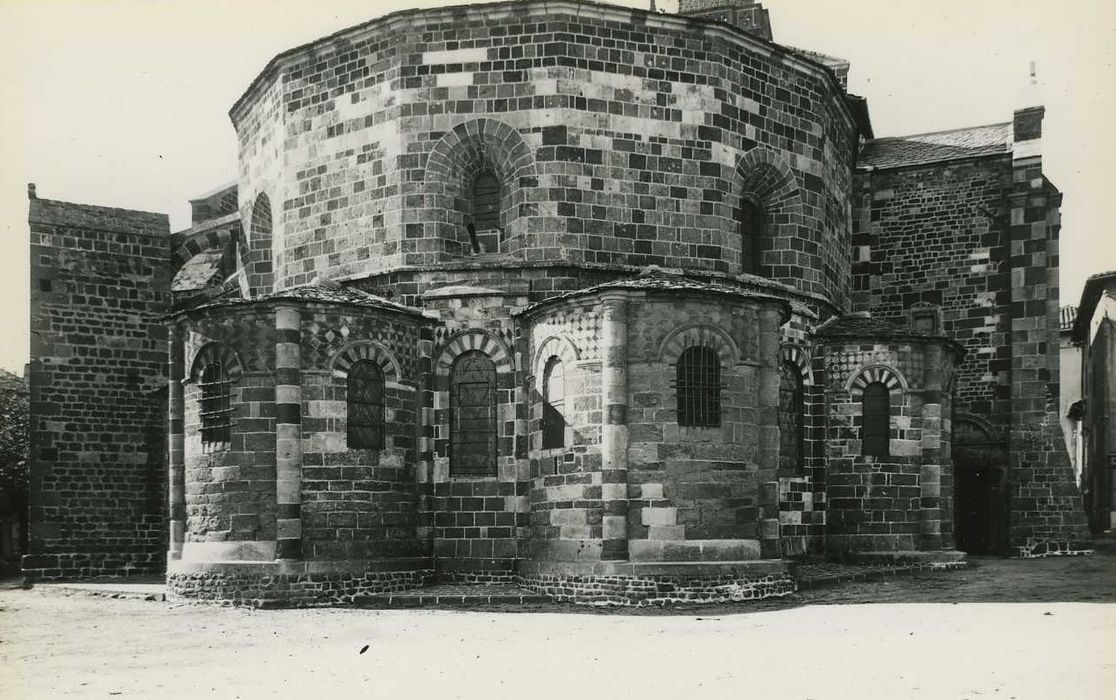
(99, 283)
(359, 503)
(230, 492)
(621, 137)
(678, 492)
(975, 240)
(698, 483)
(1047, 516)
(901, 501)
(477, 522)
(936, 235)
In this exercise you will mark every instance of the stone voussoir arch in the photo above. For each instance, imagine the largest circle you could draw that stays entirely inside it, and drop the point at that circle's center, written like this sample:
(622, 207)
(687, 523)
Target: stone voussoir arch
(554, 346)
(370, 351)
(215, 352)
(796, 356)
(687, 337)
(765, 176)
(892, 378)
(475, 145)
(201, 242)
(479, 340)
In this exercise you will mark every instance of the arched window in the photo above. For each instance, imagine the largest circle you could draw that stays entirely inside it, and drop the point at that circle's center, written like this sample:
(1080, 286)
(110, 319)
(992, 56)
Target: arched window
(876, 420)
(554, 399)
(791, 411)
(365, 406)
(699, 387)
(473, 415)
(215, 406)
(486, 201)
(752, 232)
(260, 272)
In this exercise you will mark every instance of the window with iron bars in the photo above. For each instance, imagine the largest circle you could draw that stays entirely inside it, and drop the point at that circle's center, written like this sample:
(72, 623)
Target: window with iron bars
(215, 406)
(698, 388)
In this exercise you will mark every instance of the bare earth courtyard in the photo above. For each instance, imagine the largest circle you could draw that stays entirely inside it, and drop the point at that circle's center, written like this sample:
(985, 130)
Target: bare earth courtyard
(1000, 629)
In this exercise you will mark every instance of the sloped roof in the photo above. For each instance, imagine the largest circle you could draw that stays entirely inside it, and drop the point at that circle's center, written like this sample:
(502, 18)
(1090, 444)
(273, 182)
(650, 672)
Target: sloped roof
(654, 278)
(972, 142)
(861, 326)
(1090, 295)
(322, 292)
(198, 271)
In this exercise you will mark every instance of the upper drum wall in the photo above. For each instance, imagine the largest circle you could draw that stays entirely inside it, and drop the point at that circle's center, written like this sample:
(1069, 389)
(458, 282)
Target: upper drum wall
(615, 136)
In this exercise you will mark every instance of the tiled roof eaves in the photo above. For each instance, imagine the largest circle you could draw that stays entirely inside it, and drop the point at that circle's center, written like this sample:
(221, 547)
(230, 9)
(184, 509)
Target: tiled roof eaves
(373, 303)
(688, 287)
(930, 161)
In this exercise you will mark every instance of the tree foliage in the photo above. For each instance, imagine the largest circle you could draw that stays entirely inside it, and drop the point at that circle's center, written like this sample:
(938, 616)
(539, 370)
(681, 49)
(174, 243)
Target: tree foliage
(14, 439)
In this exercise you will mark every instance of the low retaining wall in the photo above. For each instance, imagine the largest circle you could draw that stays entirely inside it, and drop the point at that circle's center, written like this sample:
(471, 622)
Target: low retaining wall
(305, 584)
(292, 584)
(658, 583)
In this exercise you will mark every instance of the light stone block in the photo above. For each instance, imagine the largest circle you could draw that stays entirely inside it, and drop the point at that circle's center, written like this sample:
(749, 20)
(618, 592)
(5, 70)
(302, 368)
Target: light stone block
(475, 55)
(614, 527)
(659, 516)
(666, 532)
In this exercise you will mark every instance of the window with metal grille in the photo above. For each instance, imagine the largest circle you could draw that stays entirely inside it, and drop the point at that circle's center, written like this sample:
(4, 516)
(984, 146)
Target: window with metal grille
(699, 387)
(752, 232)
(876, 420)
(215, 405)
(473, 415)
(365, 406)
(791, 411)
(486, 201)
(554, 400)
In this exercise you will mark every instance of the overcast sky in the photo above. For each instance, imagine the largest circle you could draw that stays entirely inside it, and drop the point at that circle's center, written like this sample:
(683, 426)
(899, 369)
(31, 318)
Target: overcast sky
(125, 102)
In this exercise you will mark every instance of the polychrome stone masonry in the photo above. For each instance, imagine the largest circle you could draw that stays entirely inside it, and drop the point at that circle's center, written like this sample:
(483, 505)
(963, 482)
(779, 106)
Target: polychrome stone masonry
(621, 306)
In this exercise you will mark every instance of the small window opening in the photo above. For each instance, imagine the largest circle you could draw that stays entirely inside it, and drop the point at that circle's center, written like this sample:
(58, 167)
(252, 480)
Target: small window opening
(752, 231)
(486, 201)
(216, 405)
(365, 407)
(473, 415)
(791, 412)
(554, 400)
(876, 420)
(699, 388)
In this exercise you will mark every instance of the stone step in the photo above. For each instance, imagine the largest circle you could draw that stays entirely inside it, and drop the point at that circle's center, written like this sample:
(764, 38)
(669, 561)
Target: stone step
(452, 594)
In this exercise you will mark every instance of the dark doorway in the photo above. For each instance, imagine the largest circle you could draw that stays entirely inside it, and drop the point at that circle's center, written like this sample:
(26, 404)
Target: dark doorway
(979, 491)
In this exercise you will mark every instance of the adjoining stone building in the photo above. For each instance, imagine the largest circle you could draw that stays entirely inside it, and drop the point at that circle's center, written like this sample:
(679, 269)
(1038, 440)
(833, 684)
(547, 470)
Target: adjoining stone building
(622, 306)
(1094, 331)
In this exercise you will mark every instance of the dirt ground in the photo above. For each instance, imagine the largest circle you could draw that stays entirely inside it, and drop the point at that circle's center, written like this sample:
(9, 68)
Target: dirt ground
(1001, 629)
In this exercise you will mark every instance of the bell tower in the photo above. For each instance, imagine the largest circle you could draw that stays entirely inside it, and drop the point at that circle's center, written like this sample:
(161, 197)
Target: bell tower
(748, 15)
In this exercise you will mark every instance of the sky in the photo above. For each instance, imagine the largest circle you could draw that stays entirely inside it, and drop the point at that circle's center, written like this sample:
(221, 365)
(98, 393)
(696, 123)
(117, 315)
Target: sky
(125, 103)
